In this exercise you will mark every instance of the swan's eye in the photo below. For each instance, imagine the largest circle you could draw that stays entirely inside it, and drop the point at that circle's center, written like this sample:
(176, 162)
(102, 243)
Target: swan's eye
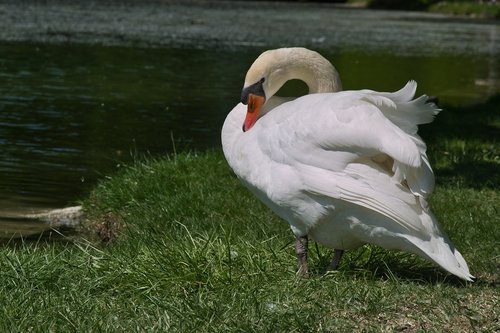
(255, 89)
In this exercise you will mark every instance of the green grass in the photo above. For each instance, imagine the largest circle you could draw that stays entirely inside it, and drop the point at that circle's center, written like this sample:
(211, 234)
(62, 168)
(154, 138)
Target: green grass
(467, 8)
(190, 250)
(470, 8)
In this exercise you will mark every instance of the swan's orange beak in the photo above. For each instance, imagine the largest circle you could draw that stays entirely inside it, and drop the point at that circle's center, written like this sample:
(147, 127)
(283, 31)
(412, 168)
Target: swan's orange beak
(255, 103)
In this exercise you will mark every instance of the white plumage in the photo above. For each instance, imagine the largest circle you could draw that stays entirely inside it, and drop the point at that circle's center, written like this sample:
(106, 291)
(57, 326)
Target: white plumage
(342, 167)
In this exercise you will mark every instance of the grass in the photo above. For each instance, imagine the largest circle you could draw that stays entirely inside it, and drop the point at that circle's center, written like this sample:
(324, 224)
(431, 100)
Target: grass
(190, 250)
(476, 9)
(467, 8)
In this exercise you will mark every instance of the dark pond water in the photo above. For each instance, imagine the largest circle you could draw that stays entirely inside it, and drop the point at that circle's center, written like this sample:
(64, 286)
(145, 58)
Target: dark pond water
(72, 111)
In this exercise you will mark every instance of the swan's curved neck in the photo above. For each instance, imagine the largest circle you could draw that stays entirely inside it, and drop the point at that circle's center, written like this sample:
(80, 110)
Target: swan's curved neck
(318, 80)
(305, 65)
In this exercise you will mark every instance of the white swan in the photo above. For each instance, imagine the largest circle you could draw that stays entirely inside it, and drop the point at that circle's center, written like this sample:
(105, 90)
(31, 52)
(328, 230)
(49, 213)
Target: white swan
(344, 168)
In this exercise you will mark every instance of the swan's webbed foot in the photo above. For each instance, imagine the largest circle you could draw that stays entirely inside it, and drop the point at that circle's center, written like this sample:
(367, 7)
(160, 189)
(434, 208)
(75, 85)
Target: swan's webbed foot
(337, 255)
(301, 244)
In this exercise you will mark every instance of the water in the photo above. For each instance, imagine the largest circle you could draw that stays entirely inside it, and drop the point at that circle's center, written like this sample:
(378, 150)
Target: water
(86, 87)
(69, 114)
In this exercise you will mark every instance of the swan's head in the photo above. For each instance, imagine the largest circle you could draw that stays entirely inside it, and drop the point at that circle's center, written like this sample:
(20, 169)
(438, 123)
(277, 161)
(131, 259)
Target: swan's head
(273, 68)
(260, 84)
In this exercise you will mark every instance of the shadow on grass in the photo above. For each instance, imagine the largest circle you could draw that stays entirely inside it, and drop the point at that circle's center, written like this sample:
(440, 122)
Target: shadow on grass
(472, 134)
(471, 174)
(390, 268)
(376, 263)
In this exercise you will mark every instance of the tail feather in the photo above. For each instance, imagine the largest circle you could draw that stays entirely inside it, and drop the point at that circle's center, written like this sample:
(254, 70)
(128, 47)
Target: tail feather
(439, 248)
(449, 258)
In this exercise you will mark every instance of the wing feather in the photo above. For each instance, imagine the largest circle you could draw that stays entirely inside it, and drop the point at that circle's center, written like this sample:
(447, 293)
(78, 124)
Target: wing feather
(333, 141)
(341, 122)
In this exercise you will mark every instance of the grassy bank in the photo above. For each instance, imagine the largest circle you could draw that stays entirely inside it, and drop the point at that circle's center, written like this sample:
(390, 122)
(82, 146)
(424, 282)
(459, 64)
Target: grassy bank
(190, 250)
(470, 8)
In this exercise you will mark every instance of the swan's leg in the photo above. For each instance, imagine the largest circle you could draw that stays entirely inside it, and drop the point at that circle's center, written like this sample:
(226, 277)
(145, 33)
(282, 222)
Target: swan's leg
(337, 255)
(301, 252)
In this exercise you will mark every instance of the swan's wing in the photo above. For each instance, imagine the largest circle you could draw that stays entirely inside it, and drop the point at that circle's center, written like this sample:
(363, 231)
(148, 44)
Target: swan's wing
(344, 123)
(342, 146)
(366, 186)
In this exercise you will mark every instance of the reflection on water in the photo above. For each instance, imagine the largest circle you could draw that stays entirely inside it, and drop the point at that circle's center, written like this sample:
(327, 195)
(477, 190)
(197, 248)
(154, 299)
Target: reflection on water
(70, 114)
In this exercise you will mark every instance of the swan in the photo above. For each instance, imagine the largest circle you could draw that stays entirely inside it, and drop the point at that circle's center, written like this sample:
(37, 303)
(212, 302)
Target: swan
(343, 168)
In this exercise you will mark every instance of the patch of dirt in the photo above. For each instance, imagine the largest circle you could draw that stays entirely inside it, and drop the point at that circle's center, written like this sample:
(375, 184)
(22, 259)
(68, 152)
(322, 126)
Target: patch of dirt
(107, 228)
